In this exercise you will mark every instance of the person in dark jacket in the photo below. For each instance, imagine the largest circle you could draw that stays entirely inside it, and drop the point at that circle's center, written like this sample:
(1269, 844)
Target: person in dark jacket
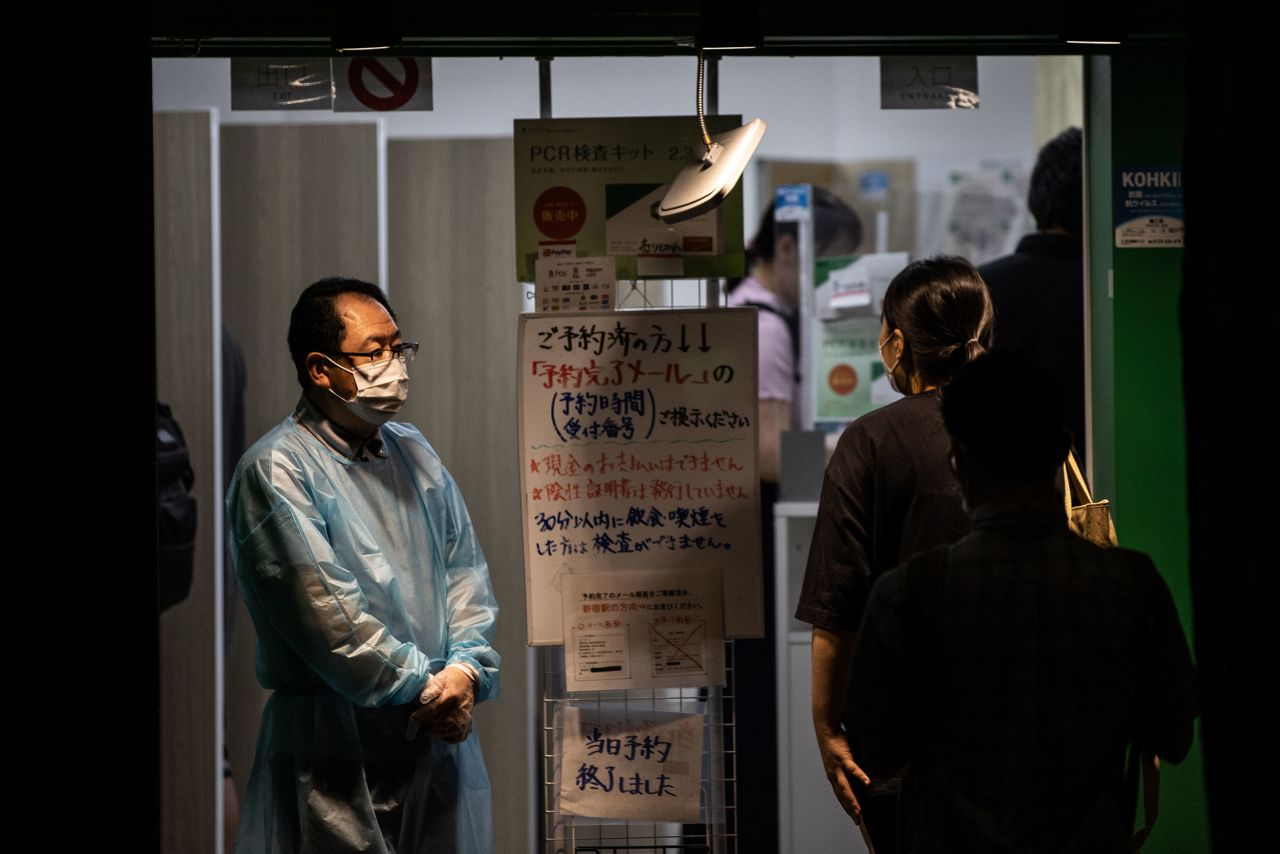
(1038, 291)
(1016, 668)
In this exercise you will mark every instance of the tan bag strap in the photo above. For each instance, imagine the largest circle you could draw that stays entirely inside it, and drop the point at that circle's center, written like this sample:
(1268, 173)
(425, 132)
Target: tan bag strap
(1066, 490)
(1073, 478)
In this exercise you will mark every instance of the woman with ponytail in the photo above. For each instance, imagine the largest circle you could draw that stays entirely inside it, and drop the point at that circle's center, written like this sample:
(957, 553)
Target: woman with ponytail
(888, 493)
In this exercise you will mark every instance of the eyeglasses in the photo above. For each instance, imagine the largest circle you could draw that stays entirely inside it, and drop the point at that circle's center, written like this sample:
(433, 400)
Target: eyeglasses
(404, 351)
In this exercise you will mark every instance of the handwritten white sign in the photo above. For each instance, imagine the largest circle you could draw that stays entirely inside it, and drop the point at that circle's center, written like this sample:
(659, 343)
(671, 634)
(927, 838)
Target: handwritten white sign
(645, 766)
(638, 451)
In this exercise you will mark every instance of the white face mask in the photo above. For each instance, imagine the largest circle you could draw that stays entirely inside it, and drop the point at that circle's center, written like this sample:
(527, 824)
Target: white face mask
(893, 384)
(381, 389)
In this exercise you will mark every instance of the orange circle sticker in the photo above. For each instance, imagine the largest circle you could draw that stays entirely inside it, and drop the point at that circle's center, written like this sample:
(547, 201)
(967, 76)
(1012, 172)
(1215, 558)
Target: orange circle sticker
(559, 212)
(843, 379)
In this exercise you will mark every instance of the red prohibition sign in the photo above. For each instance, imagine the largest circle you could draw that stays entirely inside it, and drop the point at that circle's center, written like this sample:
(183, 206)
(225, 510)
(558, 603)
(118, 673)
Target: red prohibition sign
(401, 90)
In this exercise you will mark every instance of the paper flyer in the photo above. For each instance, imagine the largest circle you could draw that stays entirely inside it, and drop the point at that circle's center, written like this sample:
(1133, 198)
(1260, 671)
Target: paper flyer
(643, 629)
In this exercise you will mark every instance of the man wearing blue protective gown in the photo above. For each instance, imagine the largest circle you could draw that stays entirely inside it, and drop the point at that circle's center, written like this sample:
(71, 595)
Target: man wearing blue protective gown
(372, 604)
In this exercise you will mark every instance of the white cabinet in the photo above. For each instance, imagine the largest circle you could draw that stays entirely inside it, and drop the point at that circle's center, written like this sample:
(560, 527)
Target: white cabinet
(810, 820)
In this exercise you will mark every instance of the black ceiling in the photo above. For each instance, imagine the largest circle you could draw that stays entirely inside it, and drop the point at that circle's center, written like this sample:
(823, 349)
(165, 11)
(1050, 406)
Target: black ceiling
(658, 27)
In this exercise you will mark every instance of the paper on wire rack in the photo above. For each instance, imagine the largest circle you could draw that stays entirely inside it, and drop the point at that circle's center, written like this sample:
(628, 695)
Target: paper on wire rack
(644, 765)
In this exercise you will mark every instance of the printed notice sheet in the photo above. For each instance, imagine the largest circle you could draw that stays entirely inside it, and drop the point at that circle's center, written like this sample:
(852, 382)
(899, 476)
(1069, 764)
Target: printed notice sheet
(567, 285)
(849, 376)
(1148, 207)
(658, 628)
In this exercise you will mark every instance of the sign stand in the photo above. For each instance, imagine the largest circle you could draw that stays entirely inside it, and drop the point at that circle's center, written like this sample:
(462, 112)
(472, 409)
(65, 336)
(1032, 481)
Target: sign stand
(716, 828)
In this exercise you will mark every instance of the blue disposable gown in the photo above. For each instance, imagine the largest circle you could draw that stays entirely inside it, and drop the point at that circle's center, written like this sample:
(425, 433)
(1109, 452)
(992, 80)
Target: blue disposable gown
(361, 578)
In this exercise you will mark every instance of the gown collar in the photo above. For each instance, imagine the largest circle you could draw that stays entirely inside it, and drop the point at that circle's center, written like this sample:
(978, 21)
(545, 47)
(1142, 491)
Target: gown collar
(340, 441)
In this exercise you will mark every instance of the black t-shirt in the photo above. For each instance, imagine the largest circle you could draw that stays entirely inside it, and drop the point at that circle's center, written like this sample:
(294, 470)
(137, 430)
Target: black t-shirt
(888, 493)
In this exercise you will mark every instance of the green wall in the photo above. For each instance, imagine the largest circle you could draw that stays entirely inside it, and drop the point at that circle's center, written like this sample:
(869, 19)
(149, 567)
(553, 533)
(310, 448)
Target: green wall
(1136, 112)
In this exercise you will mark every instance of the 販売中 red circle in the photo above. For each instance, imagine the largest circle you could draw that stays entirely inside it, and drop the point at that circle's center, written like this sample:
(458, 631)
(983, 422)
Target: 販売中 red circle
(559, 212)
(843, 379)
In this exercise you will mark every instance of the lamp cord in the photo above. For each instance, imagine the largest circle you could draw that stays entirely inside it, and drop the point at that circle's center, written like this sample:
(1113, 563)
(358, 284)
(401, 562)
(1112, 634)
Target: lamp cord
(702, 121)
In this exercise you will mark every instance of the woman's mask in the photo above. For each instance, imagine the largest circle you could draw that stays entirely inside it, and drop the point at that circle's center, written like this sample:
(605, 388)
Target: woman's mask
(893, 384)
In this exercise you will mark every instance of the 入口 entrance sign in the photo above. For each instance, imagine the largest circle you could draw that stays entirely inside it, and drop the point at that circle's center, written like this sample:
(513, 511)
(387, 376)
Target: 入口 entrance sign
(638, 451)
(929, 83)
